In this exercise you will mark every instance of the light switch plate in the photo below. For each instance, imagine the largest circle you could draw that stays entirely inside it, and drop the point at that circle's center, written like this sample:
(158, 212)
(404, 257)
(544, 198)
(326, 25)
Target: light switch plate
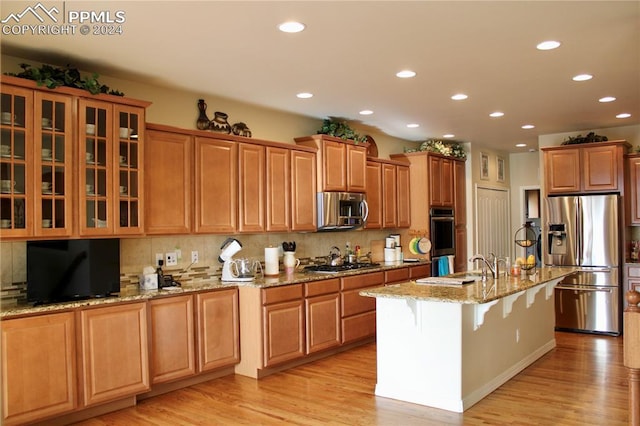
(172, 259)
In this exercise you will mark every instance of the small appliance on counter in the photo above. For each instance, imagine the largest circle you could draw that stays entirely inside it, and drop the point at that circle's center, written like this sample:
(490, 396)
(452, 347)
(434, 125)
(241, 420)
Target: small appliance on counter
(237, 270)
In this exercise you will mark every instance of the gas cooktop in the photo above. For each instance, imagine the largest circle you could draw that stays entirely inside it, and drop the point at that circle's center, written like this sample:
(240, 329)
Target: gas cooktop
(331, 269)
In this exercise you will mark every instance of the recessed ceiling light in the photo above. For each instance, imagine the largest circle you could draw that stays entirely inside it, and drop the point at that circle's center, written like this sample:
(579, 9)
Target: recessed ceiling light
(528, 126)
(448, 135)
(496, 114)
(413, 125)
(582, 77)
(291, 27)
(607, 99)
(406, 74)
(366, 112)
(304, 95)
(521, 145)
(548, 45)
(623, 115)
(459, 97)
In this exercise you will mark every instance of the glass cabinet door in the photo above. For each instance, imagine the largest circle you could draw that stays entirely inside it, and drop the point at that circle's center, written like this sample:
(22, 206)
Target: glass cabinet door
(129, 126)
(53, 159)
(95, 132)
(16, 162)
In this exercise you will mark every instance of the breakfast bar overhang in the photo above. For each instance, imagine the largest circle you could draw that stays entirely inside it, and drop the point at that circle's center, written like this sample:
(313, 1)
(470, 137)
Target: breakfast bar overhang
(449, 346)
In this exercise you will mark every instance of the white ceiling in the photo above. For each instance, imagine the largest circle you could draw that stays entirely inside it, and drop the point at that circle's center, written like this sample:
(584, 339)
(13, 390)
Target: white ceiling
(350, 51)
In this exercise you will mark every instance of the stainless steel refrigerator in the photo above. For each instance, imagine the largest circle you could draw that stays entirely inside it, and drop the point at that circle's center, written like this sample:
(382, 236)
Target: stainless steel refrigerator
(584, 231)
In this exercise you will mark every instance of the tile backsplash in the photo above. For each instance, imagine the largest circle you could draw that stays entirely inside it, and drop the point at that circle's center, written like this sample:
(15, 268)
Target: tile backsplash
(136, 253)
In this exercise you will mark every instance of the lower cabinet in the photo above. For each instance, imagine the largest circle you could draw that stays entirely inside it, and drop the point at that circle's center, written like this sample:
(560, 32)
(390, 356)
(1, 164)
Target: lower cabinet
(283, 324)
(419, 271)
(358, 312)
(38, 367)
(113, 352)
(172, 338)
(217, 329)
(322, 307)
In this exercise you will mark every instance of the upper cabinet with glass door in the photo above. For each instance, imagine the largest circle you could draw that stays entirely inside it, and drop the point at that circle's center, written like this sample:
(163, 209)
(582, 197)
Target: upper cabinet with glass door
(16, 162)
(44, 134)
(110, 168)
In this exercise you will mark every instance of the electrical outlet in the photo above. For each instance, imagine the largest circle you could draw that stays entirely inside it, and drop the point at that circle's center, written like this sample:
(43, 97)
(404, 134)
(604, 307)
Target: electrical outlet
(194, 256)
(159, 257)
(172, 259)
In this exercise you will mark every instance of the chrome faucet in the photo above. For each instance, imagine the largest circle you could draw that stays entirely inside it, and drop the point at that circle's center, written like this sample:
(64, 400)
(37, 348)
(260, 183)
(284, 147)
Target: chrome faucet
(494, 268)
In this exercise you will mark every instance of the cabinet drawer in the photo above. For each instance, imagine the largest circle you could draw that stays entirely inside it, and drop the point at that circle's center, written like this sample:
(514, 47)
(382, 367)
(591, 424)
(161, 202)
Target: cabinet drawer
(360, 281)
(419, 271)
(358, 327)
(633, 271)
(396, 275)
(634, 285)
(281, 294)
(352, 303)
(322, 287)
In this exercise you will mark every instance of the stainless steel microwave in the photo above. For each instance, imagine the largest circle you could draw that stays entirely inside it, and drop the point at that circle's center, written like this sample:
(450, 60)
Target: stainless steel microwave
(341, 210)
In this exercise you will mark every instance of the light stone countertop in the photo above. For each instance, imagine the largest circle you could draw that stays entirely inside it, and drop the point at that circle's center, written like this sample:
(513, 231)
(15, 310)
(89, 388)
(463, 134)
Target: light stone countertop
(477, 292)
(193, 286)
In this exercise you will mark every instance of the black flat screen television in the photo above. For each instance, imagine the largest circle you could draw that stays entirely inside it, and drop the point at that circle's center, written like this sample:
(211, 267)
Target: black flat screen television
(64, 270)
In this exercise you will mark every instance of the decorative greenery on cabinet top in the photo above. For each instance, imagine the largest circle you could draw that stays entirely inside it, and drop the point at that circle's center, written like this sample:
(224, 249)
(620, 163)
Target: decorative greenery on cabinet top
(449, 149)
(340, 129)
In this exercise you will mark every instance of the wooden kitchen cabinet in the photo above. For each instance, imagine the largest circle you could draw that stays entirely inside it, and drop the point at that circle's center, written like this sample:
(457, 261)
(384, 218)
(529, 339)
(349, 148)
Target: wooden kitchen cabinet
(322, 309)
(114, 359)
(388, 194)
(172, 338)
(374, 195)
(403, 199)
(389, 200)
(595, 167)
(341, 164)
(633, 189)
(168, 183)
(283, 324)
(632, 276)
(396, 275)
(419, 271)
(303, 191)
(278, 189)
(38, 367)
(358, 312)
(441, 181)
(251, 189)
(216, 183)
(217, 329)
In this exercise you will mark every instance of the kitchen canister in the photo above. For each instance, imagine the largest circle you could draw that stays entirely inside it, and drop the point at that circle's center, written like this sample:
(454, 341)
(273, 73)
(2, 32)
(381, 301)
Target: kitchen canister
(389, 242)
(389, 254)
(271, 267)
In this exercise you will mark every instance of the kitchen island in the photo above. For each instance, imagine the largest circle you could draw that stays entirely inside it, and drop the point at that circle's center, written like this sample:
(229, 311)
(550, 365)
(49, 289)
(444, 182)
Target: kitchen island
(449, 346)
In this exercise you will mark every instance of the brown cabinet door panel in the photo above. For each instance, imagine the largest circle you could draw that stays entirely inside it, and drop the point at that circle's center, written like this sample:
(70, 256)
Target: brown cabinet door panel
(420, 271)
(634, 190)
(562, 171)
(323, 322)
(38, 367)
(600, 166)
(335, 168)
(403, 198)
(251, 189)
(361, 281)
(283, 332)
(352, 303)
(389, 203)
(168, 183)
(218, 329)
(374, 195)
(114, 352)
(172, 338)
(356, 168)
(278, 185)
(303, 191)
(358, 327)
(395, 275)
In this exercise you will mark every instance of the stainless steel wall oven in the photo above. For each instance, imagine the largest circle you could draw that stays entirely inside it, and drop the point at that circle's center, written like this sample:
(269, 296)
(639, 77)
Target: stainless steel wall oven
(443, 236)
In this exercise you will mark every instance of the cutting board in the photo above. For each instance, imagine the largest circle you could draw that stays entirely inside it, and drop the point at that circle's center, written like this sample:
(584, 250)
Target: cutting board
(377, 250)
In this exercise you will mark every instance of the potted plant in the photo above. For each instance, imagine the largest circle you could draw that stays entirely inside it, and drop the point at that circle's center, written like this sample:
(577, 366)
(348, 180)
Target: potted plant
(340, 129)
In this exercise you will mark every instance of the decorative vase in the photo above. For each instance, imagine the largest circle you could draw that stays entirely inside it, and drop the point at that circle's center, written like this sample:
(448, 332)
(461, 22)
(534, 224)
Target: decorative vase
(290, 262)
(220, 123)
(203, 121)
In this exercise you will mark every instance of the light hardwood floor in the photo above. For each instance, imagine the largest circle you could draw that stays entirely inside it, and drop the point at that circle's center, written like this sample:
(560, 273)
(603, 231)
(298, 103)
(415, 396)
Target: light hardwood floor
(581, 382)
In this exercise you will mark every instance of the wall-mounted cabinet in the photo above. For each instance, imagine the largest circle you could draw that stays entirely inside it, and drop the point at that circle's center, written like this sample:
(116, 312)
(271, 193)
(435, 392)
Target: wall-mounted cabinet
(595, 167)
(227, 184)
(633, 189)
(388, 190)
(70, 162)
(341, 164)
(441, 190)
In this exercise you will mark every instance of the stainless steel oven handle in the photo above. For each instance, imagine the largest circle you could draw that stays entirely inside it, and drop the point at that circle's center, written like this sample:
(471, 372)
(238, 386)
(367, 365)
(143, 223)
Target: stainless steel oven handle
(605, 290)
(440, 219)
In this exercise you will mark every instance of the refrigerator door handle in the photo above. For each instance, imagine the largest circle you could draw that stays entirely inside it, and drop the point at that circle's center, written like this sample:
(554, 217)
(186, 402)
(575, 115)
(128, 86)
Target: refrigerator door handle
(604, 290)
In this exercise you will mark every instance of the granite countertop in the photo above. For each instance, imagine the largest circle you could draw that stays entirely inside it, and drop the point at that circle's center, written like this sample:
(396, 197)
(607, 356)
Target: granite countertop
(474, 293)
(194, 286)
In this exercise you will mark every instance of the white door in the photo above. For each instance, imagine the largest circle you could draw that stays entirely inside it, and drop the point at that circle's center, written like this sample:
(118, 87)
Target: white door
(492, 222)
